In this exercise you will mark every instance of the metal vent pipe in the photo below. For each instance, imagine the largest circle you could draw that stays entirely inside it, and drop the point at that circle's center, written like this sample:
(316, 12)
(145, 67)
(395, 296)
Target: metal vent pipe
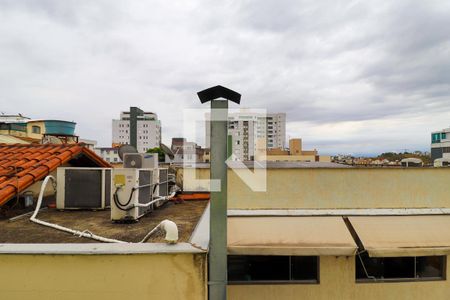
(217, 257)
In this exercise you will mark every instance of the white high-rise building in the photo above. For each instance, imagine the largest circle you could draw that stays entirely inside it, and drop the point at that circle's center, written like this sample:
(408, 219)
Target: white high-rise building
(147, 130)
(246, 128)
(440, 144)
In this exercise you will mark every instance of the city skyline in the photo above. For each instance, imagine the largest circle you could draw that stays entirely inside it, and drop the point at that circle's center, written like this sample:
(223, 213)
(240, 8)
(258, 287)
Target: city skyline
(361, 78)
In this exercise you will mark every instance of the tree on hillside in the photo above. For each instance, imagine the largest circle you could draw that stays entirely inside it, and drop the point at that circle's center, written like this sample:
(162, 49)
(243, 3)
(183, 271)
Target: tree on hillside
(392, 156)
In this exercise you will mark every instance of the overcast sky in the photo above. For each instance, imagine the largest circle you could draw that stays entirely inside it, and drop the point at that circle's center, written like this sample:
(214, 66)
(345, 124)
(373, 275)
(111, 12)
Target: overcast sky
(352, 76)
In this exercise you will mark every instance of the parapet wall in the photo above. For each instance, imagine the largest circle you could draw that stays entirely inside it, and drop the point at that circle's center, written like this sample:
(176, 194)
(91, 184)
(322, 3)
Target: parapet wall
(346, 188)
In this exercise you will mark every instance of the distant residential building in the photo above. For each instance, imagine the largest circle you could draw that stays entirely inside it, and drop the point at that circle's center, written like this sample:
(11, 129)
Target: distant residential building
(206, 155)
(109, 154)
(295, 153)
(38, 131)
(185, 151)
(91, 144)
(246, 128)
(138, 128)
(440, 144)
(13, 118)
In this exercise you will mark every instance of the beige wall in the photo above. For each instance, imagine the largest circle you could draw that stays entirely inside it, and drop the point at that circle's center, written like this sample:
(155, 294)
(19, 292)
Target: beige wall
(295, 146)
(138, 276)
(345, 188)
(342, 188)
(35, 188)
(337, 281)
(309, 152)
(277, 151)
(324, 158)
(30, 131)
(14, 133)
(290, 158)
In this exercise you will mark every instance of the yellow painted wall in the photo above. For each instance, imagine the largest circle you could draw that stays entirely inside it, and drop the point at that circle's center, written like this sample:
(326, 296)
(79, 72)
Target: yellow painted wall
(324, 158)
(290, 158)
(309, 152)
(345, 188)
(14, 133)
(277, 151)
(30, 130)
(295, 146)
(342, 188)
(139, 276)
(337, 281)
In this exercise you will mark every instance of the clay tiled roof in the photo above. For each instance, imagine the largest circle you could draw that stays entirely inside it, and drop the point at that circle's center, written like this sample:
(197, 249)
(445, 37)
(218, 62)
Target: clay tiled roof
(22, 165)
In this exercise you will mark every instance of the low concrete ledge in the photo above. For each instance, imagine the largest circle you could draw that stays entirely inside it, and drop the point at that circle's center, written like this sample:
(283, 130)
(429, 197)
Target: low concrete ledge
(99, 248)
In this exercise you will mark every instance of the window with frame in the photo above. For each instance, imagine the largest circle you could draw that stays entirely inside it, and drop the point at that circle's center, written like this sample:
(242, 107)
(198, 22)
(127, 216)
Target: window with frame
(411, 268)
(258, 269)
(36, 129)
(436, 138)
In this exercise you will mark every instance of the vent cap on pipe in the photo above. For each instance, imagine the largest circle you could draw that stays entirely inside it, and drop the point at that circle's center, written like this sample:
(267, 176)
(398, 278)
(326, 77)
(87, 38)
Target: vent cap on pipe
(219, 91)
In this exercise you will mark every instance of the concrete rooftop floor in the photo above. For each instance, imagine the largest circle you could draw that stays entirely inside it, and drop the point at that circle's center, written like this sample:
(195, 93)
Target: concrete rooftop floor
(185, 214)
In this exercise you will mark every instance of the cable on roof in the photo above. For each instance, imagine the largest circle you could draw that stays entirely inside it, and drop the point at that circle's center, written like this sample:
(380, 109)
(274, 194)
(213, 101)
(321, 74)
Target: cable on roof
(168, 226)
(119, 204)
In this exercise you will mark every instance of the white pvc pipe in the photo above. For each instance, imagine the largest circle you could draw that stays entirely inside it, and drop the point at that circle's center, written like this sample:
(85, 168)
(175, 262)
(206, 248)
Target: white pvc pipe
(168, 226)
(165, 198)
(62, 228)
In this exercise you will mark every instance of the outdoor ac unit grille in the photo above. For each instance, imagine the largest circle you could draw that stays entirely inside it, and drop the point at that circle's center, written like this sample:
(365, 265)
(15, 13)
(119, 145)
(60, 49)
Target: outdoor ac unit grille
(145, 193)
(164, 185)
(107, 188)
(83, 188)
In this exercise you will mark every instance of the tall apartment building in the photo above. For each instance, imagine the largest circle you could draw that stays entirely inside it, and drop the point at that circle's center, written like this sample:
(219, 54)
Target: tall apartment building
(440, 144)
(246, 128)
(185, 151)
(138, 128)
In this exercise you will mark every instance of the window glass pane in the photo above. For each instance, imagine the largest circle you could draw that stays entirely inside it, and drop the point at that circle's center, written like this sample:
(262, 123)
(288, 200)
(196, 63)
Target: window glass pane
(399, 267)
(430, 266)
(258, 268)
(384, 267)
(373, 266)
(304, 268)
(36, 129)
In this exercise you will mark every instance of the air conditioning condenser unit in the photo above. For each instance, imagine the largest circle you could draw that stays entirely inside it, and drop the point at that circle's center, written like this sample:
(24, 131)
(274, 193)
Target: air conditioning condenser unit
(83, 188)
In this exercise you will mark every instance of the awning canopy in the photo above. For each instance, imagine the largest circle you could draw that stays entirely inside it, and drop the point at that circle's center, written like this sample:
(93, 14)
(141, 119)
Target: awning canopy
(390, 236)
(289, 236)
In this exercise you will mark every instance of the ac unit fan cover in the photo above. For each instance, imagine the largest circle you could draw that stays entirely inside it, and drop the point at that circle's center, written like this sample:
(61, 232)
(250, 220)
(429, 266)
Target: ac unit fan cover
(133, 161)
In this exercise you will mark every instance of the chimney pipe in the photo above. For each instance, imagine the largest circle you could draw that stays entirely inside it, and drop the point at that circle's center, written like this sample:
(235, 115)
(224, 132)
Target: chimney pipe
(217, 259)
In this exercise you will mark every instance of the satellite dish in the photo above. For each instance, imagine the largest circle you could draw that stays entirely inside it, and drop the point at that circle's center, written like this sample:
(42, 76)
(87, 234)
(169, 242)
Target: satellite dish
(126, 149)
(167, 151)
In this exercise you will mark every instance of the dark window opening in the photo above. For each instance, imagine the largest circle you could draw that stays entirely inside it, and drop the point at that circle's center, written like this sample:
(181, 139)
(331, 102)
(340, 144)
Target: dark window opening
(399, 268)
(36, 129)
(272, 269)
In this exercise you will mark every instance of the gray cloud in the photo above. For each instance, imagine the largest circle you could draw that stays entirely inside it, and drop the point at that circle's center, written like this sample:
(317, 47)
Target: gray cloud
(327, 64)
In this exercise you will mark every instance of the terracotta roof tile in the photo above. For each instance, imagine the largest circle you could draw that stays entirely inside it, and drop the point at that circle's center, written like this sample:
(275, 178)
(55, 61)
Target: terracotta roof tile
(22, 165)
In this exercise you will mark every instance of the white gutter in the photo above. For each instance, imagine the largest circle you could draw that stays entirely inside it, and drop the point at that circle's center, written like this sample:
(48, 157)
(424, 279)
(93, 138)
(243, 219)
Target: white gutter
(339, 212)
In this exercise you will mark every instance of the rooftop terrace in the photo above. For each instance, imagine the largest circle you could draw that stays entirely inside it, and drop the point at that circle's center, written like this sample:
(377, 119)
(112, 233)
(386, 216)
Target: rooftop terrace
(185, 214)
